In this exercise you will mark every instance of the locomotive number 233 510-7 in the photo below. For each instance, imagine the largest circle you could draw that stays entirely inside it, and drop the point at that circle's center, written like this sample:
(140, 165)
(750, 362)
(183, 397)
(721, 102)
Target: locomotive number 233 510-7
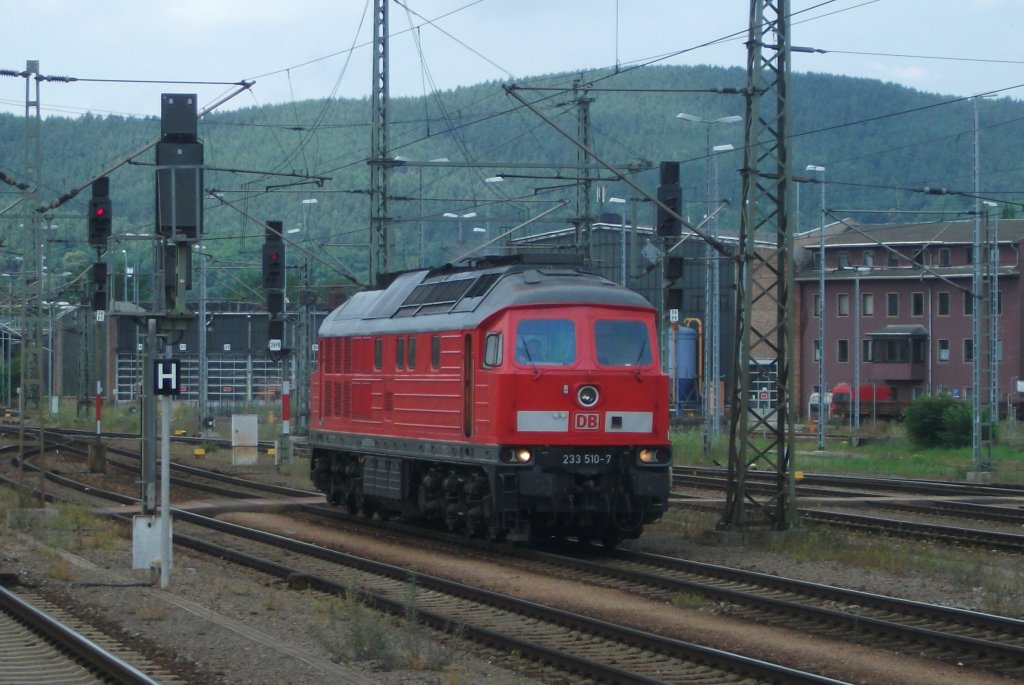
(586, 459)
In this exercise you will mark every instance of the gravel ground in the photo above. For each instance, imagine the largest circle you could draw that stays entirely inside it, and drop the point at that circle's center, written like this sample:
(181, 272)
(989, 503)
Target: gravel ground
(218, 624)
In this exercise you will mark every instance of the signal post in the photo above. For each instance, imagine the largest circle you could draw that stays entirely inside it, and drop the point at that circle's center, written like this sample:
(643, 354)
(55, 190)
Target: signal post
(274, 285)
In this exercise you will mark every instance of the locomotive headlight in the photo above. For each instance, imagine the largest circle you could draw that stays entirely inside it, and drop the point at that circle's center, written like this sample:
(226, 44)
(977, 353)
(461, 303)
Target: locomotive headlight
(516, 455)
(587, 396)
(649, 455)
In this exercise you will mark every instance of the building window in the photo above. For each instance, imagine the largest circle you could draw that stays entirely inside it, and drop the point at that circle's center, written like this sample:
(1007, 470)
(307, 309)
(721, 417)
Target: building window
(817, 304)
(867, 304)
(843, 350)
(843, 259)
(968, 350)
(968, 304)
(919, 350)
(969, 255)
(999, 302)
(943, 350)
(892, 304)
(917, 304)
(894, 258)
(867, 350)
(867, 258)
(919, 258)
(843, 304)
(817, 350)
(817, 260)
(944, 304)
(943, 256)
(892, 350)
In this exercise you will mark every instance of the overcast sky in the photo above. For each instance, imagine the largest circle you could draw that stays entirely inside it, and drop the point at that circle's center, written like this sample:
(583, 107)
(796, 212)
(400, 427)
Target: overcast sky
(320, 48)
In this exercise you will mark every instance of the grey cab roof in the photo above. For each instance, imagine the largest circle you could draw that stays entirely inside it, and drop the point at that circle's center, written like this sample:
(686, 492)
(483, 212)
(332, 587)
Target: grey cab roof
(453, 298)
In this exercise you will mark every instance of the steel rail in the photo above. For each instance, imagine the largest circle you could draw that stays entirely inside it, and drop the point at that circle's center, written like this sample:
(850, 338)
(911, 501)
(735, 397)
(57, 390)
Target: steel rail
(72, 642)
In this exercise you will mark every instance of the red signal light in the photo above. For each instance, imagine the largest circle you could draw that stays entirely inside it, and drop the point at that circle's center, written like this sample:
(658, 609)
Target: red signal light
(99, 211)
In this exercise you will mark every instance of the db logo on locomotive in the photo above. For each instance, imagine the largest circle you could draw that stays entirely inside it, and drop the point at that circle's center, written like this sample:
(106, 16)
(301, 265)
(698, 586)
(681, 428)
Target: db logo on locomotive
(587, 421)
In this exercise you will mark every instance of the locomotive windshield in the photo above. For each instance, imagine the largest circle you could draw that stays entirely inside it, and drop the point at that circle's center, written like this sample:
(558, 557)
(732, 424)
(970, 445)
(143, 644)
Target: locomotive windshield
(622, 343)
(546, 341)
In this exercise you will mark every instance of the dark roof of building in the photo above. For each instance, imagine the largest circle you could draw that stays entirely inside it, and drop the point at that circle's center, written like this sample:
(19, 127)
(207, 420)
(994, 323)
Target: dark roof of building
(854, 234)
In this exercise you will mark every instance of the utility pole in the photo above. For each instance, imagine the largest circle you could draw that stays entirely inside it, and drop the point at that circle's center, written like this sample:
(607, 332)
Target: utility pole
(982, 300)
(764, 438)
(32, 275)
(584, 219)
(379, 163)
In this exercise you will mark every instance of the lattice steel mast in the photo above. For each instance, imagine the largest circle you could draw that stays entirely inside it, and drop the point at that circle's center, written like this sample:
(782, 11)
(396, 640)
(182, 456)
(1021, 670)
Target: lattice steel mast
(759, 435)
(379, 163)
(32, 273)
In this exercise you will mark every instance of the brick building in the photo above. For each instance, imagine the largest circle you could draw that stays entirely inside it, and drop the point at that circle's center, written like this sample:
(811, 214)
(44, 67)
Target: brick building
(899, 306)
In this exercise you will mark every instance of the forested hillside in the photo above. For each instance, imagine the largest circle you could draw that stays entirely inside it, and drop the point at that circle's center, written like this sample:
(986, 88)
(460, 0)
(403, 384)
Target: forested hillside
(877, 141)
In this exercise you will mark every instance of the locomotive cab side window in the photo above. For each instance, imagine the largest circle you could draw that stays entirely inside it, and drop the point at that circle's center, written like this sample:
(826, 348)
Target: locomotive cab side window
(435, 352)
(399, 353)
(378, 353)
(492, 350)
(411, 354)
(622, 343)
(550, 342)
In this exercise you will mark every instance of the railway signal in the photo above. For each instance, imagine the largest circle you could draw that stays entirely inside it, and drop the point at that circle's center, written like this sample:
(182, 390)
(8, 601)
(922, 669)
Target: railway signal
(274, 283)
(99, 282)
(670, 194)
(100, 213)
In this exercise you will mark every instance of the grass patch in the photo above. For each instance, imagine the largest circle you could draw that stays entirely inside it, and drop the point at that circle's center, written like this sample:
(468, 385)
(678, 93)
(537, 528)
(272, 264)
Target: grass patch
(888, 452)
(355, 632)
(76, 528)
(688, 600)
(994, 587)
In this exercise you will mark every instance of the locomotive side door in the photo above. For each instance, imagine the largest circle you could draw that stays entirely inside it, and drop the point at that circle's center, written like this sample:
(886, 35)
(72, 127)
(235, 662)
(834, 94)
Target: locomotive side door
(467, 386)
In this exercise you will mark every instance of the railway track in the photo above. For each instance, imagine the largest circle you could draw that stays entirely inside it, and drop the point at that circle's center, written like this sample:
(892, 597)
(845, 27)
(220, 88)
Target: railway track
(968, 638)
(944, 633)
(574, 644)
(37, 647)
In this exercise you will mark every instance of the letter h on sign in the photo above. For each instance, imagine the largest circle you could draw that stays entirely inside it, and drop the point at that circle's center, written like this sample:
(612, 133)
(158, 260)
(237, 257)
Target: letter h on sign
(167, 377)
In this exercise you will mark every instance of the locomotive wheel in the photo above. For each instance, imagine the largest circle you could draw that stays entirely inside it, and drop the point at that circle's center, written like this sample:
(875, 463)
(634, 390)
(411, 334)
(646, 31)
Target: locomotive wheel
(452, 519)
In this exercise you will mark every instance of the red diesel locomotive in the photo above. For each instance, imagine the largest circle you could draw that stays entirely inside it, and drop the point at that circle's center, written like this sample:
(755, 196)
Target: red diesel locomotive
(505, 398)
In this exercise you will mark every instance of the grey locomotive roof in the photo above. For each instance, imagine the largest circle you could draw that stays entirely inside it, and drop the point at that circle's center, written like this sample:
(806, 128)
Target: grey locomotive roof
(449, 299)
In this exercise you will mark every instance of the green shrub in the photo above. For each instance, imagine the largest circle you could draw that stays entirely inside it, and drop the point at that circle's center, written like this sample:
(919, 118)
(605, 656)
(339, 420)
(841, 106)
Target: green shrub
(941, 421)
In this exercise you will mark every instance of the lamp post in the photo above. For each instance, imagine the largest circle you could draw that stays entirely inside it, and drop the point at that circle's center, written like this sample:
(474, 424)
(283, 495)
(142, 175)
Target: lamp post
(460, 217)
(436, 160)
(821, 314)
(712, 295)
(124, 253)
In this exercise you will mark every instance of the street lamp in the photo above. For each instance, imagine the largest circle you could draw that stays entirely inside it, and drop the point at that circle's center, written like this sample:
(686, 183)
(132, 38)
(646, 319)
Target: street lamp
(124, 253)
(436, 160)
(712, 296)
(460, 217)
(821, 314)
